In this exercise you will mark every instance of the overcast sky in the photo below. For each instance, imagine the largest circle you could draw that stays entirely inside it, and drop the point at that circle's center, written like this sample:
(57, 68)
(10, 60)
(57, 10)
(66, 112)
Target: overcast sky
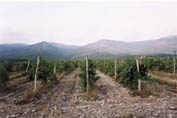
(80, 23)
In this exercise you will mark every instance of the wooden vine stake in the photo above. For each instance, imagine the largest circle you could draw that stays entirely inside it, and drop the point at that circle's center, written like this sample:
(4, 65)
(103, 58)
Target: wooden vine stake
(174, 69)
(140, 60)
(174, 62)
(138, 68)
(87, 74)
(54, 70)
(115, 68)
(35, 78)
(27, 66)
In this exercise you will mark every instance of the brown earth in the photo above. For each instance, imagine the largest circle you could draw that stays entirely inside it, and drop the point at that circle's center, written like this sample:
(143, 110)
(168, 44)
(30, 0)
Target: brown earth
(65, 100)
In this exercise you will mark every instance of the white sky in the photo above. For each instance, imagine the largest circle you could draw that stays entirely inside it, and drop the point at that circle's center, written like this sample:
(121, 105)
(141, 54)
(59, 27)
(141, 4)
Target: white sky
(80, 23)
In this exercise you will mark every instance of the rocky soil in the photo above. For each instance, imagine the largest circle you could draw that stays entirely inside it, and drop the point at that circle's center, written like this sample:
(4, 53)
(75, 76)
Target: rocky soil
(64, 100)
(15, 93)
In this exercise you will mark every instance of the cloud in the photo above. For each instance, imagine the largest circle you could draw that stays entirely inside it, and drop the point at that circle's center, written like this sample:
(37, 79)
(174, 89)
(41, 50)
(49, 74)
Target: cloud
(80, 23)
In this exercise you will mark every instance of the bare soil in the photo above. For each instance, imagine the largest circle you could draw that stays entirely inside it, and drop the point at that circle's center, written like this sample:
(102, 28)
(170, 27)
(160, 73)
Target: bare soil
(64, 100)
(16, 92)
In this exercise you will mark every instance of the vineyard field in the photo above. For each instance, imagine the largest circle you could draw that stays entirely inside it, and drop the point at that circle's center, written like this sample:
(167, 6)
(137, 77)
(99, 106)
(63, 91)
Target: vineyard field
(107, 87)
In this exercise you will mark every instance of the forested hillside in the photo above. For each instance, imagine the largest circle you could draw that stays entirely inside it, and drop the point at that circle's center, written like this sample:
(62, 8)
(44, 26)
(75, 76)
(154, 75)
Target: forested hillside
(99, 49)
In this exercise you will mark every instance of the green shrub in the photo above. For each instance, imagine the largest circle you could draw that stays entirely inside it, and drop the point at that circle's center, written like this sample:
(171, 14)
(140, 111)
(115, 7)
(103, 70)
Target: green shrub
(4, 76)
(130, 75)
(45, 71)
(92, 75)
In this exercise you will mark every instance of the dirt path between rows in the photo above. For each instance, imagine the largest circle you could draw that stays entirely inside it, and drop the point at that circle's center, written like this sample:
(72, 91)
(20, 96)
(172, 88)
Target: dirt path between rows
(62, 96)
(61, 102)
(120, 104)
(115, 103)
(112, 92)
(16, 93)
(43, 107)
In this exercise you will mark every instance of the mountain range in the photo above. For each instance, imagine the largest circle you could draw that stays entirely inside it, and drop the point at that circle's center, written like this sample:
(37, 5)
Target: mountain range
(99, 49)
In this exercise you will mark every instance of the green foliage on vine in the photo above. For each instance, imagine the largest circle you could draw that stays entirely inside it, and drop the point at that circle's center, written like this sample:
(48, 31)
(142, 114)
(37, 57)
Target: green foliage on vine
(92, 74)
(4, 76)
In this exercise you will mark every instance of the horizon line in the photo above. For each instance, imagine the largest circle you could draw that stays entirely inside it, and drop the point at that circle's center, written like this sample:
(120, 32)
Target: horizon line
(88, 43)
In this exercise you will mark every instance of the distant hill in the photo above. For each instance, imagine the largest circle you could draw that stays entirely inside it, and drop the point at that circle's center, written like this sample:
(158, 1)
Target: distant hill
(43, 49)
(10, 51)
(63, 46)
(99, 49)
(164, 45)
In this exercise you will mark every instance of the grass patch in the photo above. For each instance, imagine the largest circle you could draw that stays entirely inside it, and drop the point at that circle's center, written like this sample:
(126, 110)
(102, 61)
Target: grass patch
(92, 95)
(15, 75)
(28, 98)
(18, 82)
(164, 74)
(145, 92)
(150, 87)
(171, 90)
(162, 81)
(60, 76)
(31, 95)
(5, 106)
(126, 116)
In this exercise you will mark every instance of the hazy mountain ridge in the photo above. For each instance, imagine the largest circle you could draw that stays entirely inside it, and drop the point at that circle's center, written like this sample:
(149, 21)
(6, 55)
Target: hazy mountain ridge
(43, 49)
(165, 45)
(99, 49)
(67, 47)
